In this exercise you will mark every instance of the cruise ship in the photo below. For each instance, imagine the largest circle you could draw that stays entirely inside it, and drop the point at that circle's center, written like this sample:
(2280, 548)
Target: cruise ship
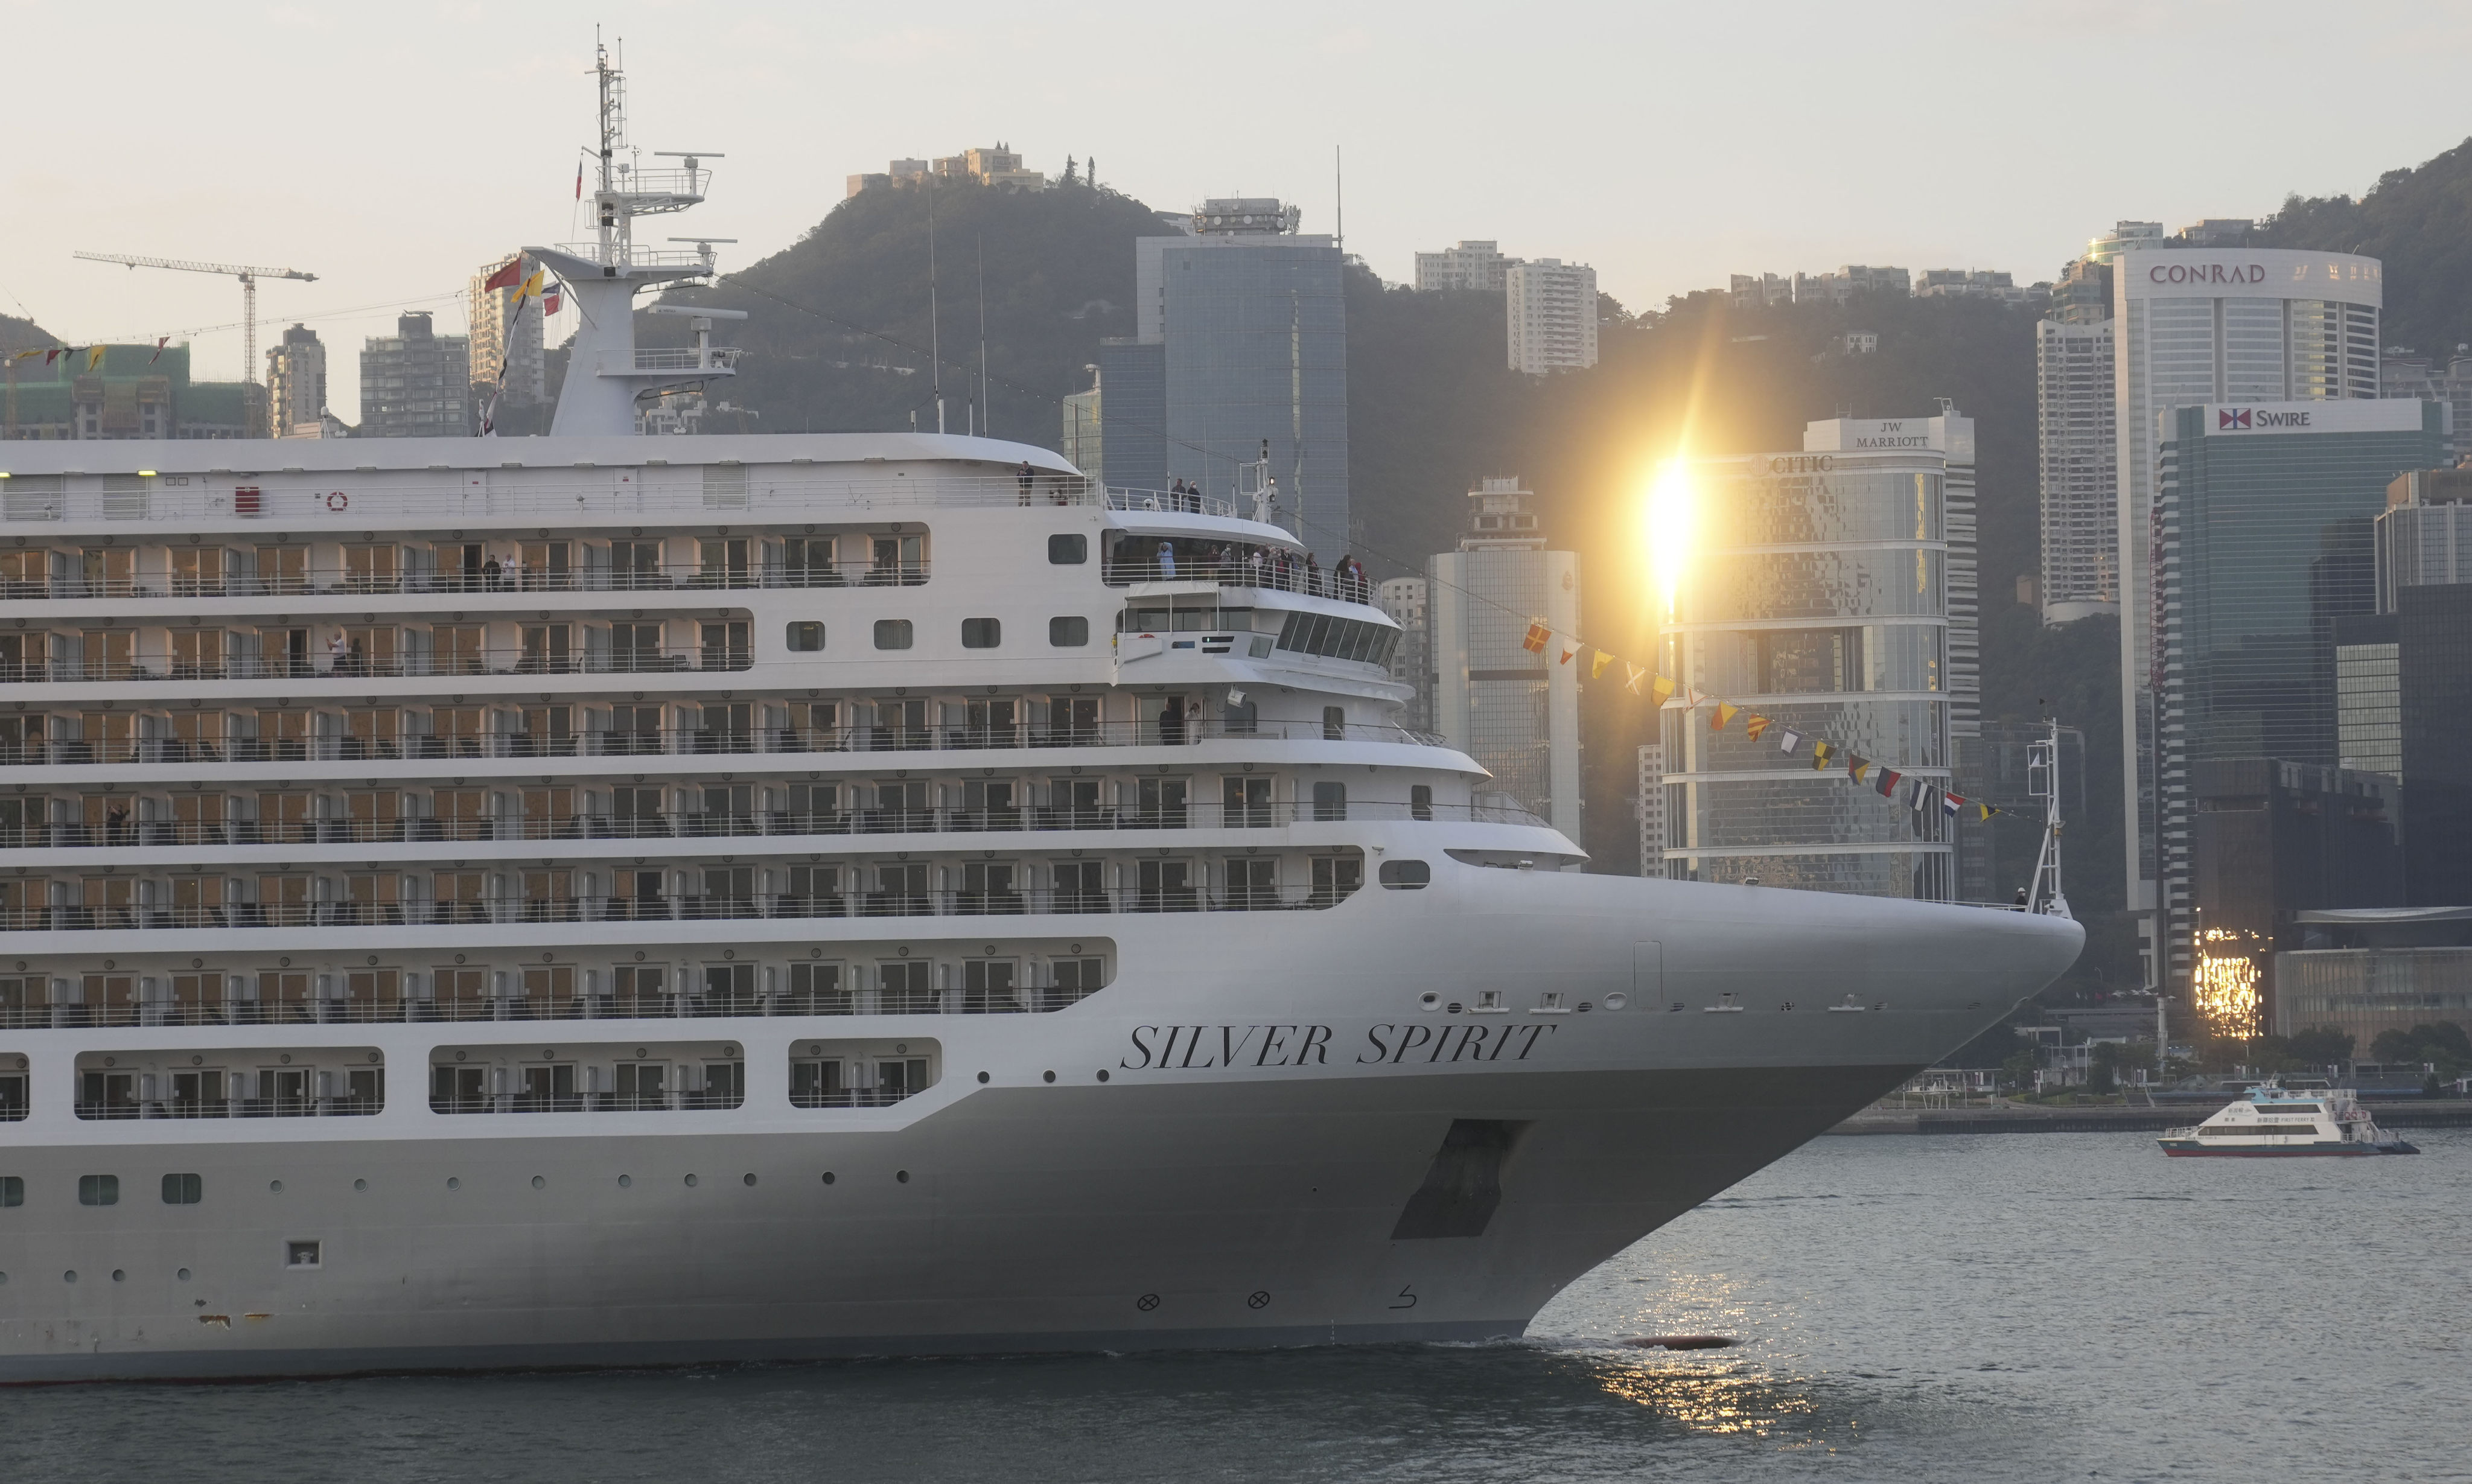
(597, 899)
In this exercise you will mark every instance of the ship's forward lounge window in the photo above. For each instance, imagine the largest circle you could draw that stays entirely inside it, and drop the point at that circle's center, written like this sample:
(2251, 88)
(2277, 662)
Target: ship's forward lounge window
(1337, 638)
(806, 636)
(893, 633)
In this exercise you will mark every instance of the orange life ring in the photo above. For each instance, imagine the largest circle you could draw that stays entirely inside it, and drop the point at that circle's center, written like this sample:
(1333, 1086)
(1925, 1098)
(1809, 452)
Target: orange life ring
(338, 500)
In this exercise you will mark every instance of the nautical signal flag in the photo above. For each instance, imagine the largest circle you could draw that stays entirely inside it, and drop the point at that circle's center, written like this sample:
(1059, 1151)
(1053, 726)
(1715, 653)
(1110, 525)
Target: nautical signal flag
(1636, 675)
(1752, 728)
(1819, 752)
(1950, 803)
(1596, 667)
(159, 349)
(1887, 782)
(93, 356)
(1788, 739)
(1663, 691)
(1857, 765)
(1534, 643)
(508, 277)
(550, 299)
(531, 286)
(1724, 713)
(1568, 652)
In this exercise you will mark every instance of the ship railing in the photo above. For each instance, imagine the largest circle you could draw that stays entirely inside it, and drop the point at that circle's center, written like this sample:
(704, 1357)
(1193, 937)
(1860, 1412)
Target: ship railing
(682, 493)
(478, 660)
(333, 582)
(586, 1002)
(939, 902)
(938, 820)
(339, 1107)
(692, 742)
(686, 358)
(1173, 502)
(1132, 566)
(323, 580)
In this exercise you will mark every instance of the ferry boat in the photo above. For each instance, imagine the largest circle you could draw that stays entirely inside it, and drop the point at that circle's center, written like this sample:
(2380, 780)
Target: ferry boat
(598, 899)
(2275, 1121)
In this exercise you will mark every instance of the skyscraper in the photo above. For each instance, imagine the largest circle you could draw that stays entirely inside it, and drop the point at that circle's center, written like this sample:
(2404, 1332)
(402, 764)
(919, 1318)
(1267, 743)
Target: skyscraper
(1403, 599)
(1820, 596)
(296, 384)
(493, 315)
(1250, 328)
(1552, 314)
(415, 383)
(2079, 443)
(2209, 326)
(1515, 710)
(2263, 528)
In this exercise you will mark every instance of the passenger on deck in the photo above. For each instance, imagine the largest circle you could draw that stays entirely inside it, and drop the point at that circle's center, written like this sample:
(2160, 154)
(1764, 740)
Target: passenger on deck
(1167, 562)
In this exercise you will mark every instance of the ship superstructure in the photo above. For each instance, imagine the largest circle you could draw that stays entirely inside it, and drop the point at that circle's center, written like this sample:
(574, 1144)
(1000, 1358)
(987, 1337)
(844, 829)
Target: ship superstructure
(595, 899)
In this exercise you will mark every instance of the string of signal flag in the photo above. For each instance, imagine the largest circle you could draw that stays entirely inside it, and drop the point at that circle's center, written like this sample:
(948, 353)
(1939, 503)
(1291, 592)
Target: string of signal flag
(1658, 688)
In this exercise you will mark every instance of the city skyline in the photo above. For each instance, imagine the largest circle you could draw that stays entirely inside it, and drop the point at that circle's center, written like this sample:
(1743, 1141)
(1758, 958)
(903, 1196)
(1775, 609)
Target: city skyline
(494, 177)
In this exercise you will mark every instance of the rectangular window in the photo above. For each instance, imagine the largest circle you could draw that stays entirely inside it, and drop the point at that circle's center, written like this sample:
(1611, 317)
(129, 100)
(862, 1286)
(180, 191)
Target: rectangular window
(1071, 632)
(1329, 802)
(1068, 550)
(98, 1189)
(981, 632)
(902, 988)
(893, 633)
(13, 1190)
(806, 636)
(184, 1189)
(1075, 979)
(300, 1254)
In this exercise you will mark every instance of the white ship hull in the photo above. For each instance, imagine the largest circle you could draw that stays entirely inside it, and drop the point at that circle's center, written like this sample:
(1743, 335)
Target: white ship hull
(1184, 1204)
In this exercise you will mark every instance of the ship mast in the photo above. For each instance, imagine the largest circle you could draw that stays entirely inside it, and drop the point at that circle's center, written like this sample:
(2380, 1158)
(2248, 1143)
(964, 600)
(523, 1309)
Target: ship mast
(2043, 781)
(607, 375)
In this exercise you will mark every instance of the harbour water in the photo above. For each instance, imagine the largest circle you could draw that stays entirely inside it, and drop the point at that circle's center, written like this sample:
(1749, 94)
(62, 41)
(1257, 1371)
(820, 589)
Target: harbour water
(1974, 1308)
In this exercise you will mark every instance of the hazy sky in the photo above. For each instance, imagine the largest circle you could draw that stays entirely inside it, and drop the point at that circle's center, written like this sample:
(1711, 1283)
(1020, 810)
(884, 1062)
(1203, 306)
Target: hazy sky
(390, 149)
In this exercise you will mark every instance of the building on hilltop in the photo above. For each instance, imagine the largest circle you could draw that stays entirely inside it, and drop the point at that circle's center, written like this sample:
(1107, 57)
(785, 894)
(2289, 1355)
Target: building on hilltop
(417, 383)
(996, 166)
(499, 331)
(2224, 328)
(1971, 283)
(1405, 600)
(1757, 291)
(131, 392)
(1515, 710)
(2405, 373)
(1552, 316)
(1239, 359)
(1471, 265)
(2262, 542)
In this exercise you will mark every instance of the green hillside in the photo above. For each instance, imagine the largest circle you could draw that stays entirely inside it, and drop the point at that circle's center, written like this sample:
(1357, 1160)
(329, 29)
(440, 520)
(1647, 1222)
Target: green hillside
(2419, 222)
(838, 327)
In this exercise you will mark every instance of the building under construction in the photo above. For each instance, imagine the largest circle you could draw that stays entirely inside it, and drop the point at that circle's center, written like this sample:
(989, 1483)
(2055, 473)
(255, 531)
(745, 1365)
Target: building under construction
(131, 392)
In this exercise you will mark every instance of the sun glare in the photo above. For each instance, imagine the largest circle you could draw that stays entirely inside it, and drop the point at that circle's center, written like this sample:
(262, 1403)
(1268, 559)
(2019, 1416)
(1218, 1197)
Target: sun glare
(1669, 530)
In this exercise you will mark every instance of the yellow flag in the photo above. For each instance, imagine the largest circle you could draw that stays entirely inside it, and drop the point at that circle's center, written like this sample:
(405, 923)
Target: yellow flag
(1819, 752)
(1660, 690)
(1859, 767)
(531, 286)
(1725, 714)
(1596, 667)
(1754, 726)
(93, 357)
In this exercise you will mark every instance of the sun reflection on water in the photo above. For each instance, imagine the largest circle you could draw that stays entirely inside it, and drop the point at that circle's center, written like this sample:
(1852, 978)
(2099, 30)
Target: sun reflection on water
(1729, 1401)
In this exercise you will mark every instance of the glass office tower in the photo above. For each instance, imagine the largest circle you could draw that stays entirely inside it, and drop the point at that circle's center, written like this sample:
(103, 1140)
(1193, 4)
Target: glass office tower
(1817, 596)
(2263, 523)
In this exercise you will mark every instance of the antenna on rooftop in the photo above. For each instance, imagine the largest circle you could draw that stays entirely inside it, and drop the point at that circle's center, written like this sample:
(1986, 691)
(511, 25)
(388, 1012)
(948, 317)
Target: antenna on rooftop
(1339, 216)
(934, 343)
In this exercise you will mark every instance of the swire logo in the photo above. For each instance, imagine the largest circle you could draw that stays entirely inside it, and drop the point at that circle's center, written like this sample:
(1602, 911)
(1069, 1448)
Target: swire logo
(2231, 418)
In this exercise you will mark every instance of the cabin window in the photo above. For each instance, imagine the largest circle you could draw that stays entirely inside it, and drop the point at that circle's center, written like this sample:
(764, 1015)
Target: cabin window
(98, 1189)
(981, 632)
(1068, 632)
(13, 1190)
(1068, 550)
(893, 633)
(1329, 802)
(184, 1189)
(806, 636)
(1406, 876)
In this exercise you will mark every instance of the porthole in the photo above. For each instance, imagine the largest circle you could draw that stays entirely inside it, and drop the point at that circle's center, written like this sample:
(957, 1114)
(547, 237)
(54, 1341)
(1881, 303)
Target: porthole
(360, 1184)
(691, 1179)
(828, 1177)
(1047, 1076)
(540, 1181)
(1616, 1000)
(625, 1181)
(749, 1177)
(120, 1274)
(983, 1077)
(1428, 1000)
(453, 1184)
(903, 1175)
(183, 1275)
(274, 1186)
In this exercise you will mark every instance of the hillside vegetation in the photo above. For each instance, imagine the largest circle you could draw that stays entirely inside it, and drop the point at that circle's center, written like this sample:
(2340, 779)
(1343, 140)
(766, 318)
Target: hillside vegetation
(2419, 220)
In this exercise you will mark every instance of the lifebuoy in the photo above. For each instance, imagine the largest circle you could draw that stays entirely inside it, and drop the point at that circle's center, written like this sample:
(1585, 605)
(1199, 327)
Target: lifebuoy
(338, 500)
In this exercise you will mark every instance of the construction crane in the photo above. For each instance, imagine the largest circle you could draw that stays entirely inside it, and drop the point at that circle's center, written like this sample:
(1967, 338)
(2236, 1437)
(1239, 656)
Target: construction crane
(247, 275)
